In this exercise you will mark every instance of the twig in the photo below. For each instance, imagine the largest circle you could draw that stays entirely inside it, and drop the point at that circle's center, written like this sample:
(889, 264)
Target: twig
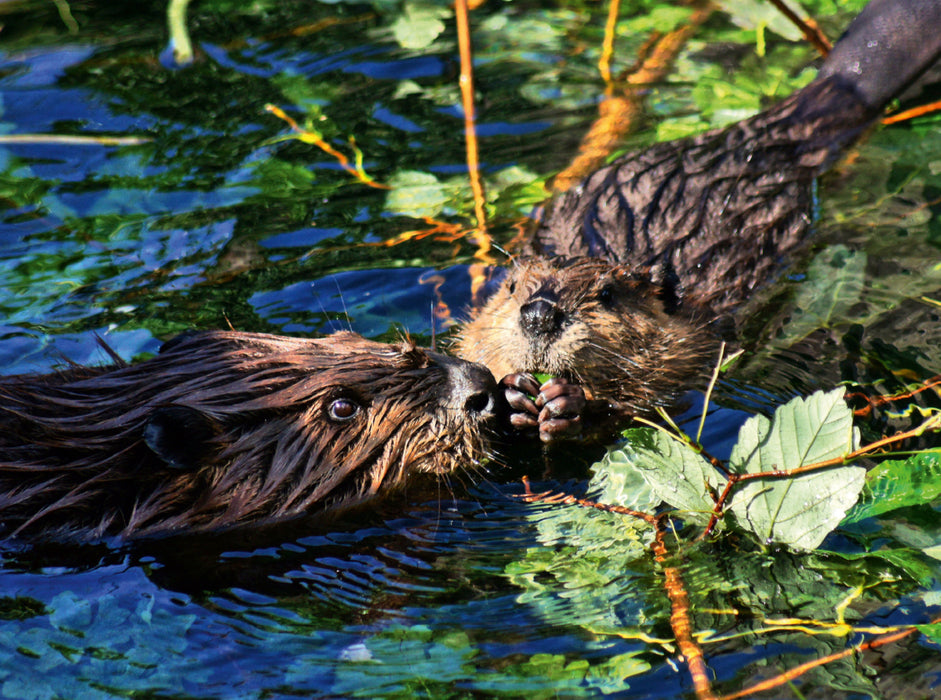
(797, 671)
(65, 14)
(470, 129)
(712, 384)
(179, 35)
(62, 140)
(314, 138)
(618, 115)
(913, 112)
(734, 479)
(607, 47)
(808, 28)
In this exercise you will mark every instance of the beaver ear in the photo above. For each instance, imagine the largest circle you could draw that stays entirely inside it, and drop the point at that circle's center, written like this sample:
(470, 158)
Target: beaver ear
(179, 435)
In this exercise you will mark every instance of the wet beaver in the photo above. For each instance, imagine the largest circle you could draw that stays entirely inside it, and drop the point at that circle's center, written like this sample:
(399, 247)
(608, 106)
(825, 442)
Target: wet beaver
(226, 428)
(626, 275)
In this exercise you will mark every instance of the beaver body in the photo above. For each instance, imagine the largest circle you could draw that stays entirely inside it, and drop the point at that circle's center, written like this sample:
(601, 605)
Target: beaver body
(223, 428)
(624, 278)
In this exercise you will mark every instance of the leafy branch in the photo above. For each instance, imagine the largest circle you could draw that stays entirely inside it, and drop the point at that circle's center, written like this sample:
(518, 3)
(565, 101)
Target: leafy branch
(804, 433)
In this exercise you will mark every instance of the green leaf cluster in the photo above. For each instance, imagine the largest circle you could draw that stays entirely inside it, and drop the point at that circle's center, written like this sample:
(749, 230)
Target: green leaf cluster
(798, 511)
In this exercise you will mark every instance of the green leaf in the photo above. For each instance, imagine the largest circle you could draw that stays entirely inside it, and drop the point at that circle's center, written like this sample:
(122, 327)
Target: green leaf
(932, 631)
(899, 483)
(677, 474)
(415, 193)
(618, 481)
(882, 565)
(419, 25)
(798, 511)
(754, 14)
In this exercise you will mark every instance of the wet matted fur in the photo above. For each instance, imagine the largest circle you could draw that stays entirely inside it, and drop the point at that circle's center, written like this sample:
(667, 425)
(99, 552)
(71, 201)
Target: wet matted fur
(227, 428)
(627, 275)
(594, 324)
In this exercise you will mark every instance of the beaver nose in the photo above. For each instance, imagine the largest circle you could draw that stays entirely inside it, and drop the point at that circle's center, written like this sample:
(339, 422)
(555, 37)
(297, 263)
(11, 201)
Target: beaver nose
(471, 387)
(540, 317)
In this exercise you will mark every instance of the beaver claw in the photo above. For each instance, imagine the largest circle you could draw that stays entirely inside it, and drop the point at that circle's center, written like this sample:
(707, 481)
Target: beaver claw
(555, 411)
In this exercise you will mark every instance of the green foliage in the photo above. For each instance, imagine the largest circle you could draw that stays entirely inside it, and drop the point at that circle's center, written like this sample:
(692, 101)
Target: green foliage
(758, 15)
(419, 24)
(835, 281)
(932, 632)
(419, 194)
(798, 511)
(899, 483)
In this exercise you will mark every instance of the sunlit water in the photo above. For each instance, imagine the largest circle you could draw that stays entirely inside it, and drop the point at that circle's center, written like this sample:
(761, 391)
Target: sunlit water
(216, 219)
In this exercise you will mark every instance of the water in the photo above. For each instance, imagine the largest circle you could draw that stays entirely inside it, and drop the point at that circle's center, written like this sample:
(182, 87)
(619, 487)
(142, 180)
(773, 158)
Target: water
(216, 218)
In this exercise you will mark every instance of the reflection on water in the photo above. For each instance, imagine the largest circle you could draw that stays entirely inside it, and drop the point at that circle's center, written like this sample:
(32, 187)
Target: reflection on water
(219, 218)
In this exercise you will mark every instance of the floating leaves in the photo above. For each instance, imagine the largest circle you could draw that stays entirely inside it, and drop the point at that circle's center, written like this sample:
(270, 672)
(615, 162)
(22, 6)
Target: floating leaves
(676, 473)
(797, 510)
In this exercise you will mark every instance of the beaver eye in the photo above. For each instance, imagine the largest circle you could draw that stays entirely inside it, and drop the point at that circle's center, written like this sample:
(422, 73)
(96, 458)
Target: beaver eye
(606, 297)
(512, 287)
(342, 409)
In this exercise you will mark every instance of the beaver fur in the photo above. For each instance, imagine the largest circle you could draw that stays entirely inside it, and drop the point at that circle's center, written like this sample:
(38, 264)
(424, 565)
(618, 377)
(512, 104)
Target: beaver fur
(628, 276)
(224, 428)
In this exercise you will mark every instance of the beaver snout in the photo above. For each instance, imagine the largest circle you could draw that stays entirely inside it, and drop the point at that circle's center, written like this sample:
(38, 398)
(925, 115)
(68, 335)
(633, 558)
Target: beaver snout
(471, 387)
(541, 316)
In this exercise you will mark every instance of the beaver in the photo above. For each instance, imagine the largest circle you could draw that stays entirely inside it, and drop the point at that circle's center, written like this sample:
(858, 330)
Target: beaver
(222, 429)
(628, 279)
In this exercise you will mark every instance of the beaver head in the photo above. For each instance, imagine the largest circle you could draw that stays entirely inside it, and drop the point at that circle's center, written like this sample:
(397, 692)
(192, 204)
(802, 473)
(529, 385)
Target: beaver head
(226, 428)
(593, 323)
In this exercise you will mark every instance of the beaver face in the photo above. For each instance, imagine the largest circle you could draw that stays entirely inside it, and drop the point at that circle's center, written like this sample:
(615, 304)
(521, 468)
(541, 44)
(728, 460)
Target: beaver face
(225, 428)
(592, 323)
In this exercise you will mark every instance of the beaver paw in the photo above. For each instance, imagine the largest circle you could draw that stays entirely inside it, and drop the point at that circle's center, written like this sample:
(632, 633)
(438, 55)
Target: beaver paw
(555, 411)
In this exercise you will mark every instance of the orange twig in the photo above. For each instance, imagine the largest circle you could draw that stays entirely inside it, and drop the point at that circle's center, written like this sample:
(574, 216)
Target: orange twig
(679, 618)
(619, 115)
(312, 137)
(913, 112)
(470, 130)
(607, 49)
(873, 401)
(797, 671)
(441, 230)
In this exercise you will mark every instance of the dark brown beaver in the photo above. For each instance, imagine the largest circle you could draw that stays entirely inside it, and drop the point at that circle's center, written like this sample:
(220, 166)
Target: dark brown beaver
(227, 428)
(626, 273)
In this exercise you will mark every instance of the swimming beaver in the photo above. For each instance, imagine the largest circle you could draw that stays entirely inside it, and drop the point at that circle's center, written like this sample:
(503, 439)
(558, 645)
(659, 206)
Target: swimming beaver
(226, 428)
(627, 273)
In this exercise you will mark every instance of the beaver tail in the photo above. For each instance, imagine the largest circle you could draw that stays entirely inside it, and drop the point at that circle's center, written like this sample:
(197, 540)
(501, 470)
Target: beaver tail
(887, 46)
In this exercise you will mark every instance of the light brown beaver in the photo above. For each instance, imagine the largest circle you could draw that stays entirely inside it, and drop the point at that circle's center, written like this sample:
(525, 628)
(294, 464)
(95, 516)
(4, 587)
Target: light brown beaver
(223, 428)
(627, 274)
